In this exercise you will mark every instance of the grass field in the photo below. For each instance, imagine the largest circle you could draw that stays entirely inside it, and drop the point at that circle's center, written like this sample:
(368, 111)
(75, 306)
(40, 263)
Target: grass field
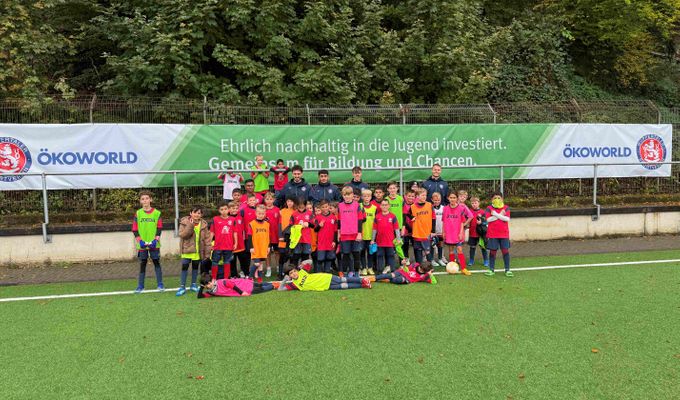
(588, 333)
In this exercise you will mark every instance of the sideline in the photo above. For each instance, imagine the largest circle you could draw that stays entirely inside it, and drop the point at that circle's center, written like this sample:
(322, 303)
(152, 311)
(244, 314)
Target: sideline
(567, 266)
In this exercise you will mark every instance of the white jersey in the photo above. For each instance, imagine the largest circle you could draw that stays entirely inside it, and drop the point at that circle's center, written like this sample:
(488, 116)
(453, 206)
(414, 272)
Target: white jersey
(231, 183)
(438, 214)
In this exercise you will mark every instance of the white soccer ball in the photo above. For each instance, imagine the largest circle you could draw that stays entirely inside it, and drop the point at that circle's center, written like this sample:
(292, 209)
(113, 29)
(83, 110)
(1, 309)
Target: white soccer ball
(452, 268)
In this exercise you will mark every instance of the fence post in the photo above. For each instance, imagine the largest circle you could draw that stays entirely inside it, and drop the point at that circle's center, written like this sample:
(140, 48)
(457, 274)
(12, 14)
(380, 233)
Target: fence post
(492, 112)
(501, 183)
(309, 116)
(94, 98)
(401, 180)
(205, 110)
(174, 186)
(656, 109)
(597, 206)
(578, 110)
(403, 119)
(46, 212)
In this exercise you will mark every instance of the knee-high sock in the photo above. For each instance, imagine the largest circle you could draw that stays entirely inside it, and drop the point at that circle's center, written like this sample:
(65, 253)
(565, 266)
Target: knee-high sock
(492, 259)
(159, 272)
(461, 260)
(506, 259)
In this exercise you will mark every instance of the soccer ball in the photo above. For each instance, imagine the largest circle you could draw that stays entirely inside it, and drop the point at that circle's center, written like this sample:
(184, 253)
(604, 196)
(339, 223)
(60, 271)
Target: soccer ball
(452, 268)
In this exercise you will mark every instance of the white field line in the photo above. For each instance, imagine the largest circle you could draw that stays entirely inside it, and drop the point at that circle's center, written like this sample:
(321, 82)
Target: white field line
(567, 266)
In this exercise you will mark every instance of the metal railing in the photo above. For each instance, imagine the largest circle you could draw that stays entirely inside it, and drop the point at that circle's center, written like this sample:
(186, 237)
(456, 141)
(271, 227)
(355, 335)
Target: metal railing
(175, 188)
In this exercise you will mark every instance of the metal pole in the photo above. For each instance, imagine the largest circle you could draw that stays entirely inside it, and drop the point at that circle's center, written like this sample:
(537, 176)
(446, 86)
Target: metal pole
(492, 111)
(94, 98)
(597, 206)
(309, 117)
(656, 109)
(174, 186)
(46, 212)
(502, 178)
(205, 110)
(403, 117)
(401, 180)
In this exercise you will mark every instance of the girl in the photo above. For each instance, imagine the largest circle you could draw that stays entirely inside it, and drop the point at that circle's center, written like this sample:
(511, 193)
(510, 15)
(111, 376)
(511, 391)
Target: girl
(405, 275)
(385, 231)
(498, 233)
(304, 218)
(453, 232)
(231, 287)
(351, 218)
(195, 245)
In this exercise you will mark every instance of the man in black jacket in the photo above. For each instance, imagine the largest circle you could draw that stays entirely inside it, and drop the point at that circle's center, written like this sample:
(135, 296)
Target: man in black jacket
(294, 189)
(436, 184)
(324, 190)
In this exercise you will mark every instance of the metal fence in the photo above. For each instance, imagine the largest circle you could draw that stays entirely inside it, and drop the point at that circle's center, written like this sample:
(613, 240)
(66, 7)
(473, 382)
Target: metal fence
(22, 207)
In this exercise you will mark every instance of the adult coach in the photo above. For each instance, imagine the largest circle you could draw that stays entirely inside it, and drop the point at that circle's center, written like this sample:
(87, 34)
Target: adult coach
(294, 189)
(324, 190)
(436, 184)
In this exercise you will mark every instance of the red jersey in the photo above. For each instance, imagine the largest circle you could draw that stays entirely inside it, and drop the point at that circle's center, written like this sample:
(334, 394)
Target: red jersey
(473, 223)
(223, 230)
(299, 217)
(384, 225)
(408, 221)
(328, 232)
(244, 199)
(248, 215)
(241, 233)
(274, 218)
(413, 276)
(280, 177)
(497, 229)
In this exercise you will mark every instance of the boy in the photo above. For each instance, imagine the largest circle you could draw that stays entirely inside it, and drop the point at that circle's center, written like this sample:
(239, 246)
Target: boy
(260, 176)
(274, 219)
(498, 233)
(370, 209)
(230, 287)
(396, 202)
(225, 237)
(356, 182)
(286, 214)
(378, 196)
(474, 239)
(236, 195)
(436, 258)
(146, 227)
(258, 242)
(327, 228)
(351, 218)
(231, 181)
(407, 227)
(304, 281)
(410, 274)
(280, 175)
(454, 221)
(195, 246)
(423, 225)
(315, 212)
(247, 213)
(385, 231)
(303, 249)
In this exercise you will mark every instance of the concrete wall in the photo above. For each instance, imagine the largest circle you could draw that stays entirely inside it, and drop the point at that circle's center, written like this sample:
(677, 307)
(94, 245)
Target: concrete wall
(120, 245)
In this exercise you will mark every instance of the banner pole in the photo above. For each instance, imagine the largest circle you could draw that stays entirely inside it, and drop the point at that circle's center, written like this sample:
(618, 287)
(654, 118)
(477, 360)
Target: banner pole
(46, 212)
(401, 180)
(174, 184)
(597, 206)
(502, 178)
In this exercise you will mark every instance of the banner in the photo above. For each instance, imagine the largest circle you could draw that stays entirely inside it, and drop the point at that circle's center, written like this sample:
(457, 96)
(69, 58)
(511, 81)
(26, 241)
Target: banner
(105, 148)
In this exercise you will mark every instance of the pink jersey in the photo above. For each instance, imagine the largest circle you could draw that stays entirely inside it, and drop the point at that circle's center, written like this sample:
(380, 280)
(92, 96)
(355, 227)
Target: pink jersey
(225, 288)
(384, 225)
(350, 214)
(497, 229)
(327, 233)
(452, 219)
(297, 218)
(223, 231)
(413, 276)
(274, 218)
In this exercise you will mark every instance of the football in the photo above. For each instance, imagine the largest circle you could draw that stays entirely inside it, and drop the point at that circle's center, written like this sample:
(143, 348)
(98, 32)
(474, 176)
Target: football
(452, 268)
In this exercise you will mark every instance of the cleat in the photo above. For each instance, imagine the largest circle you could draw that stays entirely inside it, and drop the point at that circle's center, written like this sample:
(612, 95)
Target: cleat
(443, 262)
(466, 272)
(341, 274)
(139, 289)
(489, 273)
(486, 264)
(471, 262)
(194, 288)
(350, 274)
(435, 263)
(364, 272)
(365, 283)
(269, 272)
(241, 275)
(509, 274)
(386, 270)
(161, 288)
(276, 285)
(181, 291)
(370, 271)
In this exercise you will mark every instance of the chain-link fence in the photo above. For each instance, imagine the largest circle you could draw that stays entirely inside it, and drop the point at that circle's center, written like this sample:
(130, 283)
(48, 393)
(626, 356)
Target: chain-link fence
(25, 207)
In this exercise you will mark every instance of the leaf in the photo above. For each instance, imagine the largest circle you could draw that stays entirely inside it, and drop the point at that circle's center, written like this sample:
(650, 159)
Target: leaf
(421, 360)
(189, 354)
(521, 375)
(594, 350)
(121, 359)
(677, 356)
(343, 298)
(200, 378)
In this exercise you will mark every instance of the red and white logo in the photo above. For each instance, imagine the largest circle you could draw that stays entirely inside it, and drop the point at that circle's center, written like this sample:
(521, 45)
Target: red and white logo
(14, 158)
(651, 149)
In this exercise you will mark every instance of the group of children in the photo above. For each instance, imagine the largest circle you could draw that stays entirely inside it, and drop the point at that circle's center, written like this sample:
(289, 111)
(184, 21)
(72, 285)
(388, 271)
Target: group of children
(363, 235)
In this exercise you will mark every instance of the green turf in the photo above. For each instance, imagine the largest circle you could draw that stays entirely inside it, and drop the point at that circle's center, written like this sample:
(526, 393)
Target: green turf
(529, 337)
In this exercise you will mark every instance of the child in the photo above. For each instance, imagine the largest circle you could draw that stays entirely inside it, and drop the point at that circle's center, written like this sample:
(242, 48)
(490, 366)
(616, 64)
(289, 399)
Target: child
(351, 218)
(240, 253)
(302, 217)
(409, 200)
(260, 176)
(385, 231)
(423, 225)
(280, 175)
(369, 209)
(315, 212)
(231, 181)
(249, 185)
(410, 274)
(436, 258)
(236, 195)
(274, 219)
(247, 213)
(396, 202)
(286, 215)
(327, 232)
(230, 287)
(146, 227)
(453, 233)
(378, 196)
(304, 281)
(258, 242)
(225, 237)
(356, 182)
(498, 234)
(474, 239)
(194, 246)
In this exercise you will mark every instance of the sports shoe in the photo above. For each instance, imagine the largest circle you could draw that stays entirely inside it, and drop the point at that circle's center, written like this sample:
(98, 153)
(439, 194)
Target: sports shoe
(471, 262)
(139, 289)
(194, 288)
(241, 274)
(465, 272)
(435, 263)
(365, 283)
(341, 274)
(509, 274)
(350, 274)
(443, 262)
(370, 278)
(276, 285)
(486, 264)
(370, 271)
(364, 271)
(181, 291)
(490, 273)
(269, 272)
(161, 288)
(387, 270)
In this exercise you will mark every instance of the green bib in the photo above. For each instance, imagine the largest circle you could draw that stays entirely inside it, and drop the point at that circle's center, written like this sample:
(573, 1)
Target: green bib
(397, 208)
(312, 282)
(261, 182)
(197, 235)
(147, 225)
(367, 229)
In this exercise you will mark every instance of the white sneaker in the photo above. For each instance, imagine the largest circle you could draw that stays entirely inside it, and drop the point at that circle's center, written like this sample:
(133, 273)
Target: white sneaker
(241, 274)
(443, 262)
(269, 272)
(364, 272)
(386, 270)
(435, 263)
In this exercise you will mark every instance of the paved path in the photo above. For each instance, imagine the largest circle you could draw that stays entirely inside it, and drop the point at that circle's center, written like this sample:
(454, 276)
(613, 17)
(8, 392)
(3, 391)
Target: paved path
(127, 270)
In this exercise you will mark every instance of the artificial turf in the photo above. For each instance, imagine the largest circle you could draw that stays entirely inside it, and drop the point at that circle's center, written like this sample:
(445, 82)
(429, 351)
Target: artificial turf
(592, 333)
